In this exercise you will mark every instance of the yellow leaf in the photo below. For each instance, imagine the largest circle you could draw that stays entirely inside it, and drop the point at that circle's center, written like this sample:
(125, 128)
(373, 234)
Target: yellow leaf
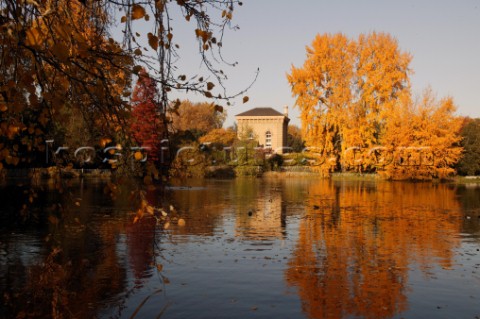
(138, 12)
(245, 99)
(34, 37)
(150, 210)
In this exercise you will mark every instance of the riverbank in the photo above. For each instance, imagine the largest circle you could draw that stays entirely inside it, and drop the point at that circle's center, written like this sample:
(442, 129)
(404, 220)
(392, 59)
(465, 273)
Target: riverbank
(216, 172)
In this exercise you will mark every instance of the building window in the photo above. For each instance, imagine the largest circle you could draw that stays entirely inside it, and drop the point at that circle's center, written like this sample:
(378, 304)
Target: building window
(268, 139)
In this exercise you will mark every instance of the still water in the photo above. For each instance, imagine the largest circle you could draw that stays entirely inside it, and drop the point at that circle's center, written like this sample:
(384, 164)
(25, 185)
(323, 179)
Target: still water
(249, 248)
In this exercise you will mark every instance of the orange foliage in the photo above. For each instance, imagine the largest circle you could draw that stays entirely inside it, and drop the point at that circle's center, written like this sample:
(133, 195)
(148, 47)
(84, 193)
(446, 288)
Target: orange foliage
(354, 98)
(356, 246)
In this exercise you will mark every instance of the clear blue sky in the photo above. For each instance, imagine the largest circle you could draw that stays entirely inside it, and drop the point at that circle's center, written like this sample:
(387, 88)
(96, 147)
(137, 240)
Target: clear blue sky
(442, 35)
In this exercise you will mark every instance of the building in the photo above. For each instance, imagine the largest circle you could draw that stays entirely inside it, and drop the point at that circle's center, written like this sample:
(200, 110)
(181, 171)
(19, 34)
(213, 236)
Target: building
(265, 125)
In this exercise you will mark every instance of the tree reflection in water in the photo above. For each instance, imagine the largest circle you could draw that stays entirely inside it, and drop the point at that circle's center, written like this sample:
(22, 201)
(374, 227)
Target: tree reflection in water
(346, 248)
(356, 244)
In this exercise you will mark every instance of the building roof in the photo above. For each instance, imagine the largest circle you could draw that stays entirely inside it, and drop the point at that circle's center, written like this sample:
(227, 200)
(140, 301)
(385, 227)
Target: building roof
(261, 111)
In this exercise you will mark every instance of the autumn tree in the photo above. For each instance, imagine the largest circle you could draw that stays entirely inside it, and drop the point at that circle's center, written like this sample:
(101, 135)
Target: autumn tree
(381, 79)
(46, 64)
(198, 118)
(148, 126)
(57, 52)
(355, 102)
(424, 138)
(470, 161)
(294, 138)
(323, 90)
(225, 137)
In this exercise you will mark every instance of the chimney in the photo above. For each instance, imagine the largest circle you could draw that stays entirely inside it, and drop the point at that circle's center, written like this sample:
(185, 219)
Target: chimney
(285, 111)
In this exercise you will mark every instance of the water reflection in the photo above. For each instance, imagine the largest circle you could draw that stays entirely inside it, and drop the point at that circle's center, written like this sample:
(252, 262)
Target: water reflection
(357, 242)
(345, 249)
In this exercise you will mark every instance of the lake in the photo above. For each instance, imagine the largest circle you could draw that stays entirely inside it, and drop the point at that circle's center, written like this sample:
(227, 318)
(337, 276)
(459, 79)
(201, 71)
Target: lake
(294, 247)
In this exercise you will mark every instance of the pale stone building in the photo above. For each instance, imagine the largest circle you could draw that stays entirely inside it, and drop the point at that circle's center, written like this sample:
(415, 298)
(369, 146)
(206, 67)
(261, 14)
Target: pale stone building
(266, 125)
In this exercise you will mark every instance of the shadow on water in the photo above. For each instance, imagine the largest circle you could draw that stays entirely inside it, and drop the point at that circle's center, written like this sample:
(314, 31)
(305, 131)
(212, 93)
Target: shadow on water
(293, 247)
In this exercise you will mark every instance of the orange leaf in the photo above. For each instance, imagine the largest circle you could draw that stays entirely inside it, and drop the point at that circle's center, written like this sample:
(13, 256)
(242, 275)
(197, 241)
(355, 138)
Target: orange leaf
(138, 12)
(34, 37)
(152, 41)
(245, 99)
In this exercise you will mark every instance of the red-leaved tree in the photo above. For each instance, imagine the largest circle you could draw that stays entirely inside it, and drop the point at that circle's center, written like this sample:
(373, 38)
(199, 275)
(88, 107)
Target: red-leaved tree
(148, 126)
